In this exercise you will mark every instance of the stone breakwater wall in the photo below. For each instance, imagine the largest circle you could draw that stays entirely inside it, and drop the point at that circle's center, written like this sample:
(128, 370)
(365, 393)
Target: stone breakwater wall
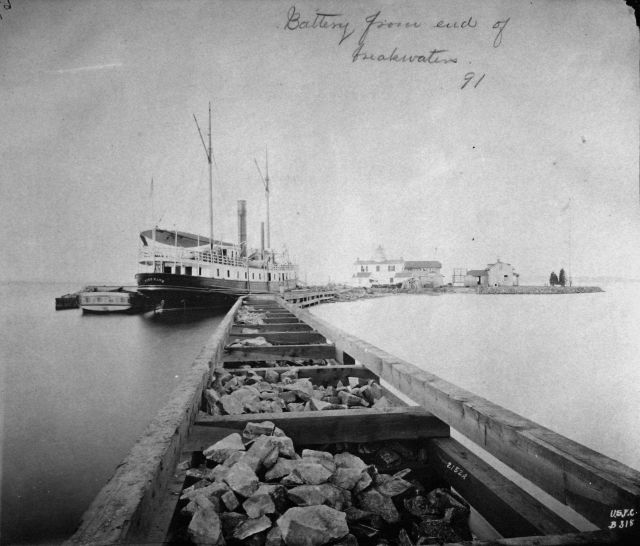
(256, 488)
(538, 289)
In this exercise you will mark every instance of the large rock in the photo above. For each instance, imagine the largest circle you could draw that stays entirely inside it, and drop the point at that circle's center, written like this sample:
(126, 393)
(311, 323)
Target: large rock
(251, 527)
(351, 400)
(242, 480)
(274, 537)
(264, 447)
(278, 494)
(220, 378)
(291, 480)
(374, 501)
(231, 405)
(347, 460)
(346, 477)
(319, 405)
(253, 430)
(289, 397)
(213, 400)
(283, 467)
(391, 486)
(222, 449)
(231, 520)
(272, 376)
(313, 495)
(205, 527)
(285, 445)
(249, 398)
(218, 473)
(271, 458)
(233, 458)
(311, 473)
(303, 389)
(259, 504)
(320, 457)
(271, 406)
(230, 501)
(289, 375)
(312, 525)
(213, 490)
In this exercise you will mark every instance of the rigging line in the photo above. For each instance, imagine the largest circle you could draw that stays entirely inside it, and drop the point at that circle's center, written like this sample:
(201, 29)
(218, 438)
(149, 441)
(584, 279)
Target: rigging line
(210, 157)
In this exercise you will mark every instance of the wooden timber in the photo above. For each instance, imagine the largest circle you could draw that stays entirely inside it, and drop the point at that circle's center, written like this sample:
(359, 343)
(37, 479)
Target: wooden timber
(305, 298)
(330, 426)
(284, 338)
(277, 352)
(258, 328)
(137, 503)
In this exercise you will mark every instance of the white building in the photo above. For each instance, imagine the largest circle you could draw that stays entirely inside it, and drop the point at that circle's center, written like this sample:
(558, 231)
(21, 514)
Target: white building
(381, 271)
(497, 274)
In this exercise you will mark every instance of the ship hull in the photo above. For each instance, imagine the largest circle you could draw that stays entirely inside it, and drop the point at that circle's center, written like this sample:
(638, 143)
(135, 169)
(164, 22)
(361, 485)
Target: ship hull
(169, 292)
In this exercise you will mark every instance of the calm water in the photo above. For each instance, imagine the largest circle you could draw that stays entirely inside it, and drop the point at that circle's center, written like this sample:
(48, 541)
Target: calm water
(570, 362)
(77, 391)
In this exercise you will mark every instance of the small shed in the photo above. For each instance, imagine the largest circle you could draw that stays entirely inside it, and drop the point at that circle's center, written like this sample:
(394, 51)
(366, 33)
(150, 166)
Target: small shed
(476, 277)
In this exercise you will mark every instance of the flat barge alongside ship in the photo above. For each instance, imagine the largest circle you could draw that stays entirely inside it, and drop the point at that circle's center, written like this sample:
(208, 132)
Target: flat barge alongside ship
(272, 368)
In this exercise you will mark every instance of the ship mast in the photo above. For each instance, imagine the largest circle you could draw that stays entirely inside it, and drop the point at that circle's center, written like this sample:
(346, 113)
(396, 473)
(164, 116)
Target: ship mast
(265, 181)
(209, 153)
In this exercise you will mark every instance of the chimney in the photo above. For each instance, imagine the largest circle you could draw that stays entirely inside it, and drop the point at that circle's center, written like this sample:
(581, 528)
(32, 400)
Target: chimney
(242, 227)
(262, 240)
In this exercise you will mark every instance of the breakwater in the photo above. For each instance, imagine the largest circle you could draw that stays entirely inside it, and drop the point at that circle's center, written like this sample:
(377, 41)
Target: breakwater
(153, 481)
(537, 289)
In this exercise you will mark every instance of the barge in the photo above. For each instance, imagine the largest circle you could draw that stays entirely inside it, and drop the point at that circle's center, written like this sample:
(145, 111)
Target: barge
(264, 340)
(105, 300)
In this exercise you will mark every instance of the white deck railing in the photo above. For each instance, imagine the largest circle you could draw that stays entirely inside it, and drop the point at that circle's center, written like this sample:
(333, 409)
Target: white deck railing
(198, 258)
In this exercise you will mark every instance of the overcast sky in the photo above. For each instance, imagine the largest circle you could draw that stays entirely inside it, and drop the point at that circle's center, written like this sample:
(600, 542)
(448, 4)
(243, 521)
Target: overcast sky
(534, 161)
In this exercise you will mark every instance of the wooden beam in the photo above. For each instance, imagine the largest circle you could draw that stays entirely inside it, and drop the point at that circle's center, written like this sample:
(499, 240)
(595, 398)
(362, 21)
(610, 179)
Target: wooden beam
(278, 352)
(284, 338)
(509, 509)
(323, 427)
(587, 481)
(292, 327)
(280, 320)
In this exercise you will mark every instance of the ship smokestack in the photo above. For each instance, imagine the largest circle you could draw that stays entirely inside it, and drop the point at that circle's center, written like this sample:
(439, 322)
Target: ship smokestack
(242, 227)
(262, 240)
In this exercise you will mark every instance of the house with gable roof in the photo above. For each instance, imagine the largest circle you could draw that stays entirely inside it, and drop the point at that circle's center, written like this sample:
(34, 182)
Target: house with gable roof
(381, 271)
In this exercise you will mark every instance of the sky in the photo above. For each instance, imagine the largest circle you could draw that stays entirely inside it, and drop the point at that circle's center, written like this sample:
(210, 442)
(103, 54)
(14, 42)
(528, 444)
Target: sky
(523, 146)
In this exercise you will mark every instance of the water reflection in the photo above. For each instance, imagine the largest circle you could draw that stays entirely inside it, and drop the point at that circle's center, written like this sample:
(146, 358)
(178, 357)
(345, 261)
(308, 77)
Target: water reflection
(78, 391)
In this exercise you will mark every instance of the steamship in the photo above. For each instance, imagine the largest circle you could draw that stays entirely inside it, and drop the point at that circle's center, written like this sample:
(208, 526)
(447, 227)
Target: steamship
(184, 270)
(187, 271)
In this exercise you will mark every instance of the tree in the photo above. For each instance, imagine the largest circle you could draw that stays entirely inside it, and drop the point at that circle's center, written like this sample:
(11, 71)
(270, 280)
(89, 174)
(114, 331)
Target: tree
(553, 279)
(562, 279)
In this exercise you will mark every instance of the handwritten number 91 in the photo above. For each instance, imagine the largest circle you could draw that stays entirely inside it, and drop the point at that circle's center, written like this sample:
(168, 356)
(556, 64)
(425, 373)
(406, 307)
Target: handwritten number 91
(469, 77)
